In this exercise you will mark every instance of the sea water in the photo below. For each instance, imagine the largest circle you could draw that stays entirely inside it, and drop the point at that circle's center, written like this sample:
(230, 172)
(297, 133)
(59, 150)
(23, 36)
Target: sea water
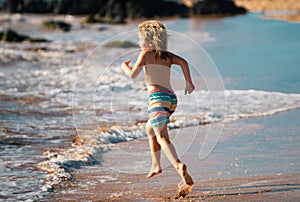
(52, 92)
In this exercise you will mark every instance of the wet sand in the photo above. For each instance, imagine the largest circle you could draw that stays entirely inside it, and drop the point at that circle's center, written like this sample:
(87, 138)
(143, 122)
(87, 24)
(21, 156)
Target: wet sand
(265, 6)
(256, 159)
(163, 188)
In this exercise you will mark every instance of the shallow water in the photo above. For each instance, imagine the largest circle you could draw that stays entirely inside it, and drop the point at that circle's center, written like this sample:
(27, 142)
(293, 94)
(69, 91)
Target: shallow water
(51, 92)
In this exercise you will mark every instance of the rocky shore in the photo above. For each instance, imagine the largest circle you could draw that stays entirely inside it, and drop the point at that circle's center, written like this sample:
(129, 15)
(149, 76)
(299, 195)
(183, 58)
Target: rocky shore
(116, 11)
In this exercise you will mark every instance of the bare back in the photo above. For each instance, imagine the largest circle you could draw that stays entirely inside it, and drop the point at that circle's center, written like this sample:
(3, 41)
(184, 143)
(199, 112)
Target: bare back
(157, 72)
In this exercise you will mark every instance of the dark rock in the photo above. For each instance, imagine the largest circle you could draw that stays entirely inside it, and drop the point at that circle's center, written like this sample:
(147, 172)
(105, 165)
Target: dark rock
(107, 11)
(37, 40)
(174, 9)
(155, 8)
(12, 36)
(217, 7)
(36, 6)
(52, 25)
(102, 29)
(105, 19)
(144, 8)
(111, 11)
(28, 6)
(12, 6)
(76, 7)
(53, 6)
(89, 19)
(115, 12)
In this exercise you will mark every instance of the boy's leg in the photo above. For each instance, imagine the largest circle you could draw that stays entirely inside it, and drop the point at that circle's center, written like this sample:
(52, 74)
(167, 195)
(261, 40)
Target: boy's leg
(155, 149)
(162, 137)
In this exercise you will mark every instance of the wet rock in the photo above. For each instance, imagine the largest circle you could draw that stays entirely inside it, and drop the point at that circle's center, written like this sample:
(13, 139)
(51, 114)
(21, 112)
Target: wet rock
(56, 24)
(121, 44)
(102, 29)
(12, 36)
(110, 19)
(217, 7)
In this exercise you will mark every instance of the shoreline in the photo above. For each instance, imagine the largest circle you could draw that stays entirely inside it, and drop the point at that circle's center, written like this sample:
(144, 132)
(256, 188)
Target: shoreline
(266, 7)
(245, 165)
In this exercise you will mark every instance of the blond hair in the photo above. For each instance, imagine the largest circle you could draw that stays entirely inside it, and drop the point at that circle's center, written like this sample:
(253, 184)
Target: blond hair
(154, 34)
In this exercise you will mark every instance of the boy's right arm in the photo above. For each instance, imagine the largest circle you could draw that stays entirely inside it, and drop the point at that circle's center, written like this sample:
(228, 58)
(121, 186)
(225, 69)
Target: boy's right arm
(133, 72)
(189, 86)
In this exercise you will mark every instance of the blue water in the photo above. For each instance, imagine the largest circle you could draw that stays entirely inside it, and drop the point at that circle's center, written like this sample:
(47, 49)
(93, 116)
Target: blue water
(252, 53)
(256, 54)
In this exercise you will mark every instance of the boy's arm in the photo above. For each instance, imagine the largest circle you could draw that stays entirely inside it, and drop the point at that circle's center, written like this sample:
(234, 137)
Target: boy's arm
(189, 88)
(133, 72)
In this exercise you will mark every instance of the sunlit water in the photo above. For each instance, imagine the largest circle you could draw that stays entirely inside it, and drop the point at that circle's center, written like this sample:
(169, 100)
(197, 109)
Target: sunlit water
(51, 92)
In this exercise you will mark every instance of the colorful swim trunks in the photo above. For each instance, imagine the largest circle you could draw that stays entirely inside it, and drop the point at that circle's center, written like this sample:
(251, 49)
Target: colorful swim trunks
(162, 104)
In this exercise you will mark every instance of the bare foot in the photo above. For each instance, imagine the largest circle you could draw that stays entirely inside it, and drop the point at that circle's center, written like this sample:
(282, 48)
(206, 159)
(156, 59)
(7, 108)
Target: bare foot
(183, 191)
(187, 179)
(154, 171)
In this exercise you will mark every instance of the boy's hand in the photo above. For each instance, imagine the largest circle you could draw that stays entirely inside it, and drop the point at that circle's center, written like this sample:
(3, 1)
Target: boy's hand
(189, 88)
(125, 64)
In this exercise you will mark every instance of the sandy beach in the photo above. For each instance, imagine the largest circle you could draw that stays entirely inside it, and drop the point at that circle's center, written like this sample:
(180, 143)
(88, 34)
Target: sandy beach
(238, 169)
(266, 6)
(136, 188)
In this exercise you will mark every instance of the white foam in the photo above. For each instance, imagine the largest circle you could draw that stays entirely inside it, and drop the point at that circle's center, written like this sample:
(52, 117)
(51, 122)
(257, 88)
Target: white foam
(253, 103)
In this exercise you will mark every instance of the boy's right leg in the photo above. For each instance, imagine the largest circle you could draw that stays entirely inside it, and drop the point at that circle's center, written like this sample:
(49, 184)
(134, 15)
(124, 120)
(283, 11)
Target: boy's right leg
(155, 149)
(163, 139)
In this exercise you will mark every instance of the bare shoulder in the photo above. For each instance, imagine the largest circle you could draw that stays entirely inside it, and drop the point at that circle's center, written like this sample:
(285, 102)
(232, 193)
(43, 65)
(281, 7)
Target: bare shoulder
(175, 59)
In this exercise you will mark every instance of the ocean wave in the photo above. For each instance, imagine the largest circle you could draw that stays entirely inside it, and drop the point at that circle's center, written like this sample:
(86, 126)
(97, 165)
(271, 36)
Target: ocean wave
(56, 53)
(86, 150)
(254, 103)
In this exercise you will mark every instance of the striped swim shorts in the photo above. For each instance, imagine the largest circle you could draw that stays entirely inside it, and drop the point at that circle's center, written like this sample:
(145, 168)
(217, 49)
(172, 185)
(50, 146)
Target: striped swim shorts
(162, 104)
